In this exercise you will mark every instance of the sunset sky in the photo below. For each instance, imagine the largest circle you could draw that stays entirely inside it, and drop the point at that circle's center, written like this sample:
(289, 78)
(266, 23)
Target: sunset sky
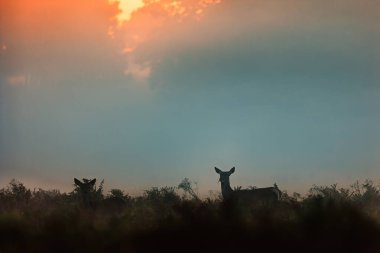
(147, 92)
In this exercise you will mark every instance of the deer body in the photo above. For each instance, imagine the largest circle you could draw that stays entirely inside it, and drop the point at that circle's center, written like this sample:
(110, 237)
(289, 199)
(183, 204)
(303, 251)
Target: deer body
(268, 194)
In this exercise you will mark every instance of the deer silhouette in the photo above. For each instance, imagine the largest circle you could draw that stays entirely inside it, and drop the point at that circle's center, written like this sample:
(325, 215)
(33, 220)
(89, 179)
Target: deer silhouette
(268, 194)
(86, 190)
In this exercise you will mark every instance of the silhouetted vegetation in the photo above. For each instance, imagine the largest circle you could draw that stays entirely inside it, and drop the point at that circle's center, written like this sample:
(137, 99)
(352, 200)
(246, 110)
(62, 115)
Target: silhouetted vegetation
(176, 219)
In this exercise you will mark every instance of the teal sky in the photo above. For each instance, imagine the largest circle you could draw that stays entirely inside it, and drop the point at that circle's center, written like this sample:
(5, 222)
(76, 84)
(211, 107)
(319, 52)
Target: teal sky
(286, 91)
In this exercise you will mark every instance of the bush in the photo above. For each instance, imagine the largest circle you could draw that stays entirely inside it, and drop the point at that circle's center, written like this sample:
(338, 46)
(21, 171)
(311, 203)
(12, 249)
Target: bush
(327, 219)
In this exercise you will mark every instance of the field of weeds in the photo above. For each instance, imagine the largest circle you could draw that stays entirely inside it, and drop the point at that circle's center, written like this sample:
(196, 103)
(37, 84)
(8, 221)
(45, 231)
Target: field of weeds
(175, 219)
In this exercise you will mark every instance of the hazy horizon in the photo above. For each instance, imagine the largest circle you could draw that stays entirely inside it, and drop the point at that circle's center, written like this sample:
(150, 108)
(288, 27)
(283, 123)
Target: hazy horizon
(146, 93)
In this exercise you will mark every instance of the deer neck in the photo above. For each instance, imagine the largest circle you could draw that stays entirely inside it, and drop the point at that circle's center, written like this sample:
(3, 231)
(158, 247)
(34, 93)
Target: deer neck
(226, 189)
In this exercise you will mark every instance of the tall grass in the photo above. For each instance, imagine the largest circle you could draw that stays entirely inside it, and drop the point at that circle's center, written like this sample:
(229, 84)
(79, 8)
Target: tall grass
(175, 219)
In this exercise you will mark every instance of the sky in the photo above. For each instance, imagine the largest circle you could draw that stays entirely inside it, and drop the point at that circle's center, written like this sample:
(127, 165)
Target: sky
(144, 93)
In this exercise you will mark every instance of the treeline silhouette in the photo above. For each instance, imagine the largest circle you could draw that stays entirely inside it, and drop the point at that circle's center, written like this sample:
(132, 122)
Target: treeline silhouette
(176, 219)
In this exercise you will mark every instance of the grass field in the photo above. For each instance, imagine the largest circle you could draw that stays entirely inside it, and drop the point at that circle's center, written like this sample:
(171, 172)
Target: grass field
(174, 219)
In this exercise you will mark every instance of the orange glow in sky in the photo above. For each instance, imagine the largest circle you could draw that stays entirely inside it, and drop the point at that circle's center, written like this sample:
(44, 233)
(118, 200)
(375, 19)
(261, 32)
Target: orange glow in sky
(171, 7)
(139, 21)
(127, 7)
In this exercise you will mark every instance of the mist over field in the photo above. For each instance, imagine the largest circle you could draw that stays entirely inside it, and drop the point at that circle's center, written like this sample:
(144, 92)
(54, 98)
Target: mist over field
(175, 218)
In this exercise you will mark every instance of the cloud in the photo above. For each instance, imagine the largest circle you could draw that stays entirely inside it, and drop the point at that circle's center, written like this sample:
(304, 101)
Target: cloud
(139, 72)
(161, 30)
(18, 80)
(3, 48)
(56, 40)
(141, 24)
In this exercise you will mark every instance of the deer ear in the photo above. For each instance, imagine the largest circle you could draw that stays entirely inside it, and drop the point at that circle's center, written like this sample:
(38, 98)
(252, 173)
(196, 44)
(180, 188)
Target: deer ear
(92, 182)
(218, 170)
(232, 170)
(77, 182)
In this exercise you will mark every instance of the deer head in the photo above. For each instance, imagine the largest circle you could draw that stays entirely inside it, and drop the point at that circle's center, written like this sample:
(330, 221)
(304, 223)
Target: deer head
(85, 189)
(85, 186)
(224, 179)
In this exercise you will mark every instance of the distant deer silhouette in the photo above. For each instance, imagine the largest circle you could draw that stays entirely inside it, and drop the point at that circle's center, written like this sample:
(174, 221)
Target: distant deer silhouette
(268, 194)
(86, 190)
